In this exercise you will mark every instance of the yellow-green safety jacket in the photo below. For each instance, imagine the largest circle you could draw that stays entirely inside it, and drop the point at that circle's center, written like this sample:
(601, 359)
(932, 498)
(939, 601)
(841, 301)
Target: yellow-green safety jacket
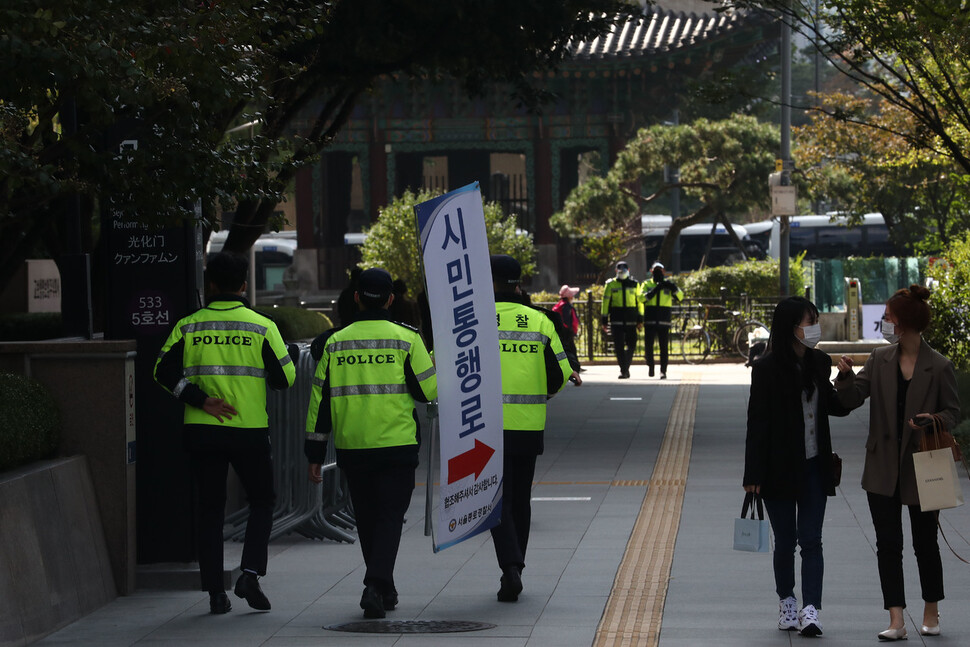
(657, 300)
(534, 368)
(368, 376)
(225, 350)
(620, 304)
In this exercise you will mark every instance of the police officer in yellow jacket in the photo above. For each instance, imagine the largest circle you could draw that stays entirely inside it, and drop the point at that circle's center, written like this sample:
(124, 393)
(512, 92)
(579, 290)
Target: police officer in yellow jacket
(219, 361)
(368, 375)
(534, 368)
(657, 295)
(624, 313)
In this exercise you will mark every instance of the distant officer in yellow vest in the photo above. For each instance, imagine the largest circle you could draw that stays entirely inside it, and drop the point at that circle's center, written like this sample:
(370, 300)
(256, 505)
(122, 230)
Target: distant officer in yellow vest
(219, 361)
(624, 313)
(534, 368)
(368, 376)
(657, 295)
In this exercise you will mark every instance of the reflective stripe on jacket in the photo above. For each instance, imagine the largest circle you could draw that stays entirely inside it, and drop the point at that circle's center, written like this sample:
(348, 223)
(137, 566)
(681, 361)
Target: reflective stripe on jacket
(225, 350)
(367, 379)
(534, 365)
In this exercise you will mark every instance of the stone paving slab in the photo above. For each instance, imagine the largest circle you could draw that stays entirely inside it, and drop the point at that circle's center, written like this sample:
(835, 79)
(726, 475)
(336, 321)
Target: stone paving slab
(596, 447)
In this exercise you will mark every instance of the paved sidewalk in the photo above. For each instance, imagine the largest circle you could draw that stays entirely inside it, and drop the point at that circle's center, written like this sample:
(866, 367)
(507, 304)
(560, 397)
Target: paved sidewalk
(590, 486)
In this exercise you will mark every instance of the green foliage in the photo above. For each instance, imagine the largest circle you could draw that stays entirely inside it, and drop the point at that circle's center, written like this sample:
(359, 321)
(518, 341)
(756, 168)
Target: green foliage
(873, 166)
(963, 392)
(757, 279)
(911, 54)
(604, 249)
(30, 422)
(723, 166)
(392, 243)
(546, 297)
(949, 331)
(297, 323)
(31, 326)
(162, 76)
(961, 433)
(228, 100)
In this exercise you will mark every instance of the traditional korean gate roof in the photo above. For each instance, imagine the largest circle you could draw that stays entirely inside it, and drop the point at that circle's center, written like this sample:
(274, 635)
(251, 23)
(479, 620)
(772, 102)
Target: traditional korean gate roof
(663, 31)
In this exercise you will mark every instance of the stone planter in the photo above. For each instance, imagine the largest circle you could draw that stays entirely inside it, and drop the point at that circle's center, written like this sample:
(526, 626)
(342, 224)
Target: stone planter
(54, 565)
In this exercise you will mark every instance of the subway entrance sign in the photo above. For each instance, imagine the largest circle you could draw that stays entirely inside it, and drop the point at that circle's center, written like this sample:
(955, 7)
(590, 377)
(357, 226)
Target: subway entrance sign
(154, 278)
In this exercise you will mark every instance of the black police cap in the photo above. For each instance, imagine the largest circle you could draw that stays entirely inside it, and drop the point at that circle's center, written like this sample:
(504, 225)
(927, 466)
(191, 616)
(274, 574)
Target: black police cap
(375, 283)
(505, 269)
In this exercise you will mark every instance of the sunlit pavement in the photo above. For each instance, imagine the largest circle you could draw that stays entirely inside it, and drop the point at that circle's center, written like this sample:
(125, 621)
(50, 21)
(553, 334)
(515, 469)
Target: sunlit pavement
(602, 444)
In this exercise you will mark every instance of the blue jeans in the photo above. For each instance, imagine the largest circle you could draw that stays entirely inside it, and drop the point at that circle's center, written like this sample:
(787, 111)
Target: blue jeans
(799, 520)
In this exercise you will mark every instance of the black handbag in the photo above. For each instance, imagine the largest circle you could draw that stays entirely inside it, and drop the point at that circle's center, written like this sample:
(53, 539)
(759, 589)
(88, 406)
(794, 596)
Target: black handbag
(836, 469)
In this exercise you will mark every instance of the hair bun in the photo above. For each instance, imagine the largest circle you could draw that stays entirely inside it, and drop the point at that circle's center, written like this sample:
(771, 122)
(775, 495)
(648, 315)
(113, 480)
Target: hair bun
(919, 291)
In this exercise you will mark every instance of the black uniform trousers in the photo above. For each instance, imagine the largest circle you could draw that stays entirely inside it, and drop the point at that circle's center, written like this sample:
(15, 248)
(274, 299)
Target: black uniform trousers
(381, 495)
(662, 333)
(511, 536)
(887, 520)
(254, 466)
(624, 344)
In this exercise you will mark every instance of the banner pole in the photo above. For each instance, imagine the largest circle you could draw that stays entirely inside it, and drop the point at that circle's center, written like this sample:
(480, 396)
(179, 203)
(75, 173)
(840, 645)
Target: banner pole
(429, 489)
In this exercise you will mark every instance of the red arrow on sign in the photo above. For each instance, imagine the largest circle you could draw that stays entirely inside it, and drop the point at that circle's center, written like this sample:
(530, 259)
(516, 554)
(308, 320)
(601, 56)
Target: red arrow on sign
(471, 462)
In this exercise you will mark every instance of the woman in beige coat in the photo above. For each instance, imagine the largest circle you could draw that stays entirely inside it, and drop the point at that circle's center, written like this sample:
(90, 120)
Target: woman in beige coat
(907, 381)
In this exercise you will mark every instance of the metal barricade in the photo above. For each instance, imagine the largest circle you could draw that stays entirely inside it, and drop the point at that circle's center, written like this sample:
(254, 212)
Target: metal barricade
(315, 511)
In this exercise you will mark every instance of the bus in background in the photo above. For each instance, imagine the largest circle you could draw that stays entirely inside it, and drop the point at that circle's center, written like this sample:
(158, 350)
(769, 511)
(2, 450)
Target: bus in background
(823, 237)
(694, 241)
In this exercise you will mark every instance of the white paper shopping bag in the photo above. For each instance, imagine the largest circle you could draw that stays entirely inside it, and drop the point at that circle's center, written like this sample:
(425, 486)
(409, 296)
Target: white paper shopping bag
(936, 480)
(751, 534)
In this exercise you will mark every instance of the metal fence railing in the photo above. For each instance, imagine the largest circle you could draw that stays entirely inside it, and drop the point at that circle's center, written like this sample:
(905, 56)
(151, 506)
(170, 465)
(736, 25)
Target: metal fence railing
(315, 511)
(593, 344)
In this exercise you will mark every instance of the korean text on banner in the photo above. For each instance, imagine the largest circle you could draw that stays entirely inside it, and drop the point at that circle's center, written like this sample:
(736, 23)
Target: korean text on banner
(454, 246)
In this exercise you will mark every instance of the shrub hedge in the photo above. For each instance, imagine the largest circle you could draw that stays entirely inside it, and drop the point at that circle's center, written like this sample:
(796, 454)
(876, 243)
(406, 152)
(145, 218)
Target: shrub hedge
(30, 422)
(962, 431)
(296, 323)
(949, 329)
(962, 435)
(31, 326)
(757, 279)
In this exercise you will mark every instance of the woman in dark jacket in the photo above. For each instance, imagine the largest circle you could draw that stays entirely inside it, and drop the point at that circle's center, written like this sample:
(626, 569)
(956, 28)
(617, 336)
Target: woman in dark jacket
(788, 454)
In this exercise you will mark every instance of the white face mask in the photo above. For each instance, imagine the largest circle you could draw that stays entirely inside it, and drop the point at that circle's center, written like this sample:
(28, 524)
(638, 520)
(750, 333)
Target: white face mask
(889, 332)
(813, 335)
(622, 274)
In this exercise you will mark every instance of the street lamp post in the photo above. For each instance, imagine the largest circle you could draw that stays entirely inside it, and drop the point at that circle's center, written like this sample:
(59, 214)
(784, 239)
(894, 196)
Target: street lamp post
(785, 145)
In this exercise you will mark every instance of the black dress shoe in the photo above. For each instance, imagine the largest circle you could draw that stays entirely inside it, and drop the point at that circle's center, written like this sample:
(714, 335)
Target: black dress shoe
(389, 600)
(650, 371)
(511, 584)
(372, 602)
(219, 602)
(247, 586)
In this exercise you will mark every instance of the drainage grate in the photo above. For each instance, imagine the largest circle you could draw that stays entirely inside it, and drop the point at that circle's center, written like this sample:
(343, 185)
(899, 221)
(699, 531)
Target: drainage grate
(410, 626)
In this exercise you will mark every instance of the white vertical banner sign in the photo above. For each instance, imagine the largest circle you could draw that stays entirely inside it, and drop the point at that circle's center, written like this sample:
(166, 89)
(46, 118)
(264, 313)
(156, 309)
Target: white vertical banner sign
(454, 245)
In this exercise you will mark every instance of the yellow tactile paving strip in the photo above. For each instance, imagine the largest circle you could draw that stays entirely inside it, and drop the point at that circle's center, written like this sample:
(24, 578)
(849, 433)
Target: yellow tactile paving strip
(635, 607)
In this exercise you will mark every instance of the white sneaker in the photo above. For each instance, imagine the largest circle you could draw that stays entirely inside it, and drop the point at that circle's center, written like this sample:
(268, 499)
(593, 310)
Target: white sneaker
(788, 614)
(808, 624)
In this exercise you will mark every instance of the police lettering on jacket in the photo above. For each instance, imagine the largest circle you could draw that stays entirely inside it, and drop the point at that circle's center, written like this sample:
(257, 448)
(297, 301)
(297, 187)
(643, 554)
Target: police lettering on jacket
(513, 347)
(371, 358)
(222, 340)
